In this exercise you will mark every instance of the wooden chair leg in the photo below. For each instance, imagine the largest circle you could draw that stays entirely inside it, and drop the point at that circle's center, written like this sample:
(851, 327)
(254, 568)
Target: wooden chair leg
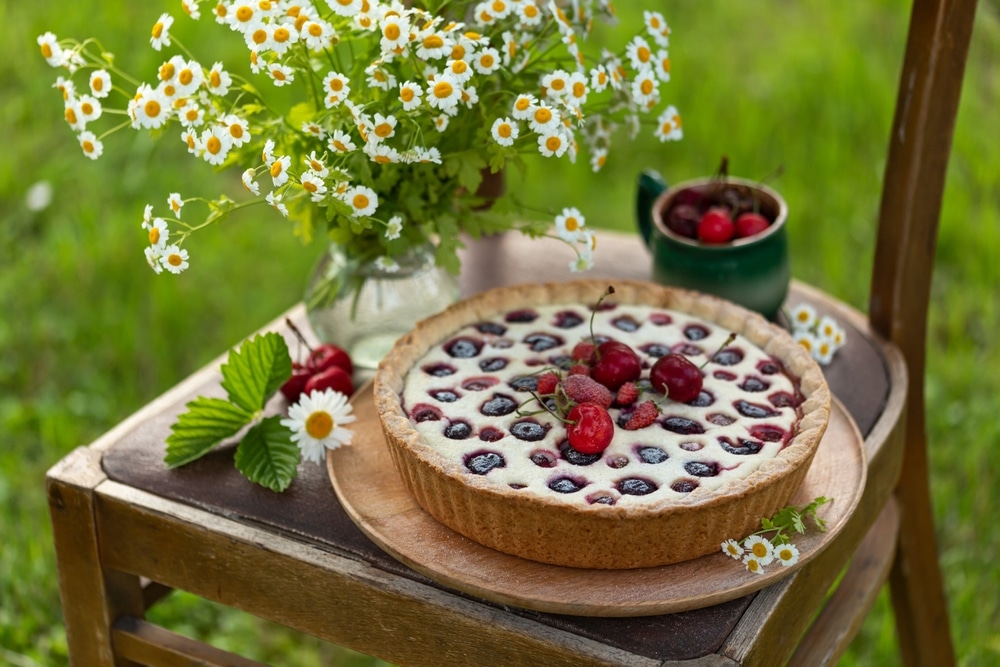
(92, 597)
(842, 616)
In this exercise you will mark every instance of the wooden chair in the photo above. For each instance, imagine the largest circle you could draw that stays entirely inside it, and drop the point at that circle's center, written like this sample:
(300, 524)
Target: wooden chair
(126, 532)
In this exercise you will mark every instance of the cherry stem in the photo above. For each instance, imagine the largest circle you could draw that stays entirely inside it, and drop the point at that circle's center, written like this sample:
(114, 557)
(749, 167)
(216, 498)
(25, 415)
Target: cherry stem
(593, 313)
(298, 334)
(725, 343)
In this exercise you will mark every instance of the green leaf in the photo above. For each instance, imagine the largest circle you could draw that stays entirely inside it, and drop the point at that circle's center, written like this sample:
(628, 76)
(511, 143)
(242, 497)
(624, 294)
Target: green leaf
(470, 174)
(256, 370)
(267, 455)
(206, 423)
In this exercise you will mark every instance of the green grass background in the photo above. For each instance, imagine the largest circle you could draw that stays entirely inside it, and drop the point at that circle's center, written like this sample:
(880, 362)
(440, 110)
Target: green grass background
(88, 334)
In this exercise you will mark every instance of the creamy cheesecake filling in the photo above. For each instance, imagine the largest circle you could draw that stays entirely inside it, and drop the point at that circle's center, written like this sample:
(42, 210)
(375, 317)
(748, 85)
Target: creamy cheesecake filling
(463, 397)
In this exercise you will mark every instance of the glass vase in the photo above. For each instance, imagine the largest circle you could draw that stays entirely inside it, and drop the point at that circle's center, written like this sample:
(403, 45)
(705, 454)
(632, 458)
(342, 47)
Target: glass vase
(363, 308)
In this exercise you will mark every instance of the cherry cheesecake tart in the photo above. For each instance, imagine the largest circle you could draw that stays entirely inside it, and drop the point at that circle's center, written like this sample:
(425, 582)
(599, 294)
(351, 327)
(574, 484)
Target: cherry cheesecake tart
(476, 404)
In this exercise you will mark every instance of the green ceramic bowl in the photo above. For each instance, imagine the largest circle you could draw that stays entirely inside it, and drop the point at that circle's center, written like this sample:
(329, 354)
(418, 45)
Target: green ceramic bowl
(752, 272)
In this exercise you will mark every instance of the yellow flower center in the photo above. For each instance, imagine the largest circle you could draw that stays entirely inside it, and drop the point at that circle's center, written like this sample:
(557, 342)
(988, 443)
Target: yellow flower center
(87, 108)
(553, 143)
(88, 146)
(97, 85)
(46, 50)
(175, 259)
(665, 64)
(190, 141)
(157, 30)
(319, 425)
(646, 87)
(215, 79)
(336, 85)
(154, 236)
(265, 5)
(169, 91)
(365, 21)
(236, 131)
(315, 29)
(213, 145)
(785, 554)
(278, 74)
(339, 146)
(281, 35)
(310, 186)
(152, 108)
(457, 52)
(643, 54)
(442, 90)
(382, 159)
(167, 71)
(753, 565)
(572, 224)
(391, 32)
(293, 11)
(543, 115)
(530, 11)
(459, 67)
(522, 103)
(383, 130)
(504, 131)
(360, 201)
(759, 550)
(558, 84)
(579, 89)
(486, 60)
(433, 41)
(244, 14)
(221, 10)
(276, 168)
(191, 115)
(499, 6)
(259, 36)
(406, 94)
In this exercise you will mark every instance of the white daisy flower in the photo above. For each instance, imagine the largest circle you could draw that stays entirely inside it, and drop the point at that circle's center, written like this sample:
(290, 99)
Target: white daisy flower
(760, 547)
(282, 38)
(645, 87)
(362, 199)
(443, 92)
(340, 142)
(427, 155)
(153, 259)
(51, 51)
(441, 122)
(826, 327)
(599, 78)
(433, 44)
(243, 17)
(158, 234)
(147, 216)
(806, 339)
(219, 80)
(410, 95)
(215, 143)
(314, 185)
(394, 227)
(282, 75)
(570, 224)
(175, 203)
(317, 423)
(249, 183)
(577, 91)
(267, 153)
(91, 145)
(151, 108)
(656, 25)
(383, 127)
(387, 264)
(395, 33)
(552, 143)
(504, 131)
(317, 34)
(190, 139)
(523, 106)
(543, 118)
(337, 87)
(100, 83)
(238, 129)
(279, 170)
(661, 66)
(190, 114)
(787, 554)
(174, 259)
(555, 83)
(382, 153)
(639, 54)
(275, 201)
(314, 129)
(823, 350)
(486, 61)
(668, 125)
(732, 549)
(379, 77)
(753, 564)
(316, 165)
(459, 70)
(598, 158)
(803, 317)
(160, 35)
(528, 14)
(346, 7)
(190, 8)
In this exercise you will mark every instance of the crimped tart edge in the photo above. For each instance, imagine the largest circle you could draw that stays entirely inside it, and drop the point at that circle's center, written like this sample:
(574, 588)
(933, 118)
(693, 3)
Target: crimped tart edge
(503, 519)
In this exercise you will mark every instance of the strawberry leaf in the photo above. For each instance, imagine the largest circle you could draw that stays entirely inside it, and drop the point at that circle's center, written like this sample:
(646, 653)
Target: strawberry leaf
(255, 371)
(206, 423)
(267, 455)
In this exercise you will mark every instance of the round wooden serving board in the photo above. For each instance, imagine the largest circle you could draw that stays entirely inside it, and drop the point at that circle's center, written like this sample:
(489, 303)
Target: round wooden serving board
(374, 497)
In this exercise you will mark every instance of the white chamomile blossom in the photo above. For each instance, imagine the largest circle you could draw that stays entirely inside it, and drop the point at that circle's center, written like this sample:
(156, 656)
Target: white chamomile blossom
(191, 114)
(599, 78)
(760, 547)
(51, 51)
(386, 264)
(317, 34)
(279, 170)
(243, 17)
(174, 259)
(443, 92)
(645, 88)
(150, 108)
(190, 8)
(823, 350)
(379, 77)
(317, 423)
(598, 158)
(275, 201)
(218, 80)
(336, 87)
(827, 327)
(787, 554)
(383, 127)
(668, 125)
(429, 155)
(753, 564)
(100, 83)
(175, 203)
(382, 153)
(552, 143)
(160, 35)
(555, 83)
(340, 142)
(486, 61)
(806, 339)
(393, 228)
(459, 70)
(395, 33)
(91, 145)
(657, 27)
(190, 139)
(316, 165)
(661, 66)
(410, 94)
(732, 549)
(214, 144)
(237, 128)
(314, 129)
(523, 106)
(639, 54)
(543, 118)
(362, 199)
(147, 216)
(570, 224)
(803, 316)
(314, 185)
(528, 14)
(585, 254)
(158, 234)
(346, 8)
(282, 75)
(267, 152)
(577, 91)
(250, 183)
(504, 131)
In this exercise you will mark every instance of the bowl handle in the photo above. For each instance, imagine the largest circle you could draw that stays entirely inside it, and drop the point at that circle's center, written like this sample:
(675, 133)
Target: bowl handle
(651, 186)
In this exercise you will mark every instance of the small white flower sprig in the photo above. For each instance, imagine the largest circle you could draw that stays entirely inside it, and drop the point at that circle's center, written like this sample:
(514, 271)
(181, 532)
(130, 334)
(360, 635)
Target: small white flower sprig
(757, 552)
(397, 111)
(820, 336)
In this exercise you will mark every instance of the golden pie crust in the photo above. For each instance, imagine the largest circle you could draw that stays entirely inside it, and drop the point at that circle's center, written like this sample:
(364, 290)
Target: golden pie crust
(598, 536)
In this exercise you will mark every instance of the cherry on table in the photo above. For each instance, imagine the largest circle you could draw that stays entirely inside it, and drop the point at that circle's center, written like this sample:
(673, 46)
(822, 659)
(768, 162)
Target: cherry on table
(334, 377)
(326, 355)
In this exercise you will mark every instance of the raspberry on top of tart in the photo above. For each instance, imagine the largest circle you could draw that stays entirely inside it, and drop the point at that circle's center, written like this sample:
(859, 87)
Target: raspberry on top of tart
(534, 420)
